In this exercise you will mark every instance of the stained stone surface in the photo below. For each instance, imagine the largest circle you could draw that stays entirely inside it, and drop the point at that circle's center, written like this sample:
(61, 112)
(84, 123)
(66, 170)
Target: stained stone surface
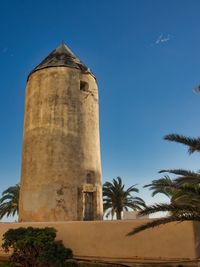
(61, 167)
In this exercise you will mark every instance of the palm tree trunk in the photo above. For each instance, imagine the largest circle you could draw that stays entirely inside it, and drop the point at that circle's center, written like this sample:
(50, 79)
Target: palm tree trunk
(119, 215)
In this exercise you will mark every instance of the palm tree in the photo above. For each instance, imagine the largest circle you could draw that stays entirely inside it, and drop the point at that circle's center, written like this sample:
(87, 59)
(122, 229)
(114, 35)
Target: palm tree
(9, 202)
(184, 192)
(180, 189)
(185, 197)
(116, 198)
(186, 186)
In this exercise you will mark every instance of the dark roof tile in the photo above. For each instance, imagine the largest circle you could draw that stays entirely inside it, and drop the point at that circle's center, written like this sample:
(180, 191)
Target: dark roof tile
(62, 56)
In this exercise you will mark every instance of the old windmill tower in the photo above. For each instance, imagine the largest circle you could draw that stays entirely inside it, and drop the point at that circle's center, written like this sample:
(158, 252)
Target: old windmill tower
(61, 167)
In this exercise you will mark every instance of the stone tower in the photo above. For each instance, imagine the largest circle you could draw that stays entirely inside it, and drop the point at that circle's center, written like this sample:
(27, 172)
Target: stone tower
(61, 167)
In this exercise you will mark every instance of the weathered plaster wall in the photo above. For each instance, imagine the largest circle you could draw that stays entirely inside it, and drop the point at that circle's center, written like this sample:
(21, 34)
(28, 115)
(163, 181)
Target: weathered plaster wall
(61, 150)
(107, 240)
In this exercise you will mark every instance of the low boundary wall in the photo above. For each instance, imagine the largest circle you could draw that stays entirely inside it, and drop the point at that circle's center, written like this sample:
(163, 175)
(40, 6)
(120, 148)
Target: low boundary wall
(108, 240)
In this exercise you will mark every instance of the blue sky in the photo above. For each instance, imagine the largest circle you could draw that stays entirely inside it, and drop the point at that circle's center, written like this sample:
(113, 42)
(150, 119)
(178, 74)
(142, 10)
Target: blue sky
(146, 57)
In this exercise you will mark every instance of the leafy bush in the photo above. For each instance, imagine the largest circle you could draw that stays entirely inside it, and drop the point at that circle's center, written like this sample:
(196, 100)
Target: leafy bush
(6, 264)
(35, 247)
(71, 263)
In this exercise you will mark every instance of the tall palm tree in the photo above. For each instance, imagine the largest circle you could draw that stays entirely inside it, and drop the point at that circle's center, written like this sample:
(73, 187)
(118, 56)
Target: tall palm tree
(116, 198)
(9, 202)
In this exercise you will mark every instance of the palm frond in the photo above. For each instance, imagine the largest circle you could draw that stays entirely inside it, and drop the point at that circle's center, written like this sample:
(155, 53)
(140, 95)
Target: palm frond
(192, 143)
(163, 185)
(165, 220)
(168, 207)
(187, 179)
(181, 172)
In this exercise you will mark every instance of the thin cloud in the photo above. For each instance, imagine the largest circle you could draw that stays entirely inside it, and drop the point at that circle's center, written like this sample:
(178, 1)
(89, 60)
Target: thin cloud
(5, 49)
(162, 39)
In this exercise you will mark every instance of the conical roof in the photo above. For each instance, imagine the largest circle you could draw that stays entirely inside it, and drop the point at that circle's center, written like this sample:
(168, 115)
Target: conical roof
(62, 56)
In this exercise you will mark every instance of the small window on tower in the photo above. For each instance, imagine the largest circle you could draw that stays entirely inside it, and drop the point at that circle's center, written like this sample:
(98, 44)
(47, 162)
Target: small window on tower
(84, 86)
(89, 178)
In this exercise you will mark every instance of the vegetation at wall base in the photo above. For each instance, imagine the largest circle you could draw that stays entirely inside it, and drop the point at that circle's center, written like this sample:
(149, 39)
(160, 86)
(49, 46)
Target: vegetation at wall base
(6, 264)
(35, 247)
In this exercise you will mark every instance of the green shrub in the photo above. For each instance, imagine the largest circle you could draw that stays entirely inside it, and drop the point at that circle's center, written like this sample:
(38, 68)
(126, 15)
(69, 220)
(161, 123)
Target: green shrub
(71, 263)
(35, 247)
(6, 264)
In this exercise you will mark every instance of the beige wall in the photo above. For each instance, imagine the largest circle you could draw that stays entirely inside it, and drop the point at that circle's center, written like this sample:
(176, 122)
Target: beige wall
(107, 240)
(130, 215)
